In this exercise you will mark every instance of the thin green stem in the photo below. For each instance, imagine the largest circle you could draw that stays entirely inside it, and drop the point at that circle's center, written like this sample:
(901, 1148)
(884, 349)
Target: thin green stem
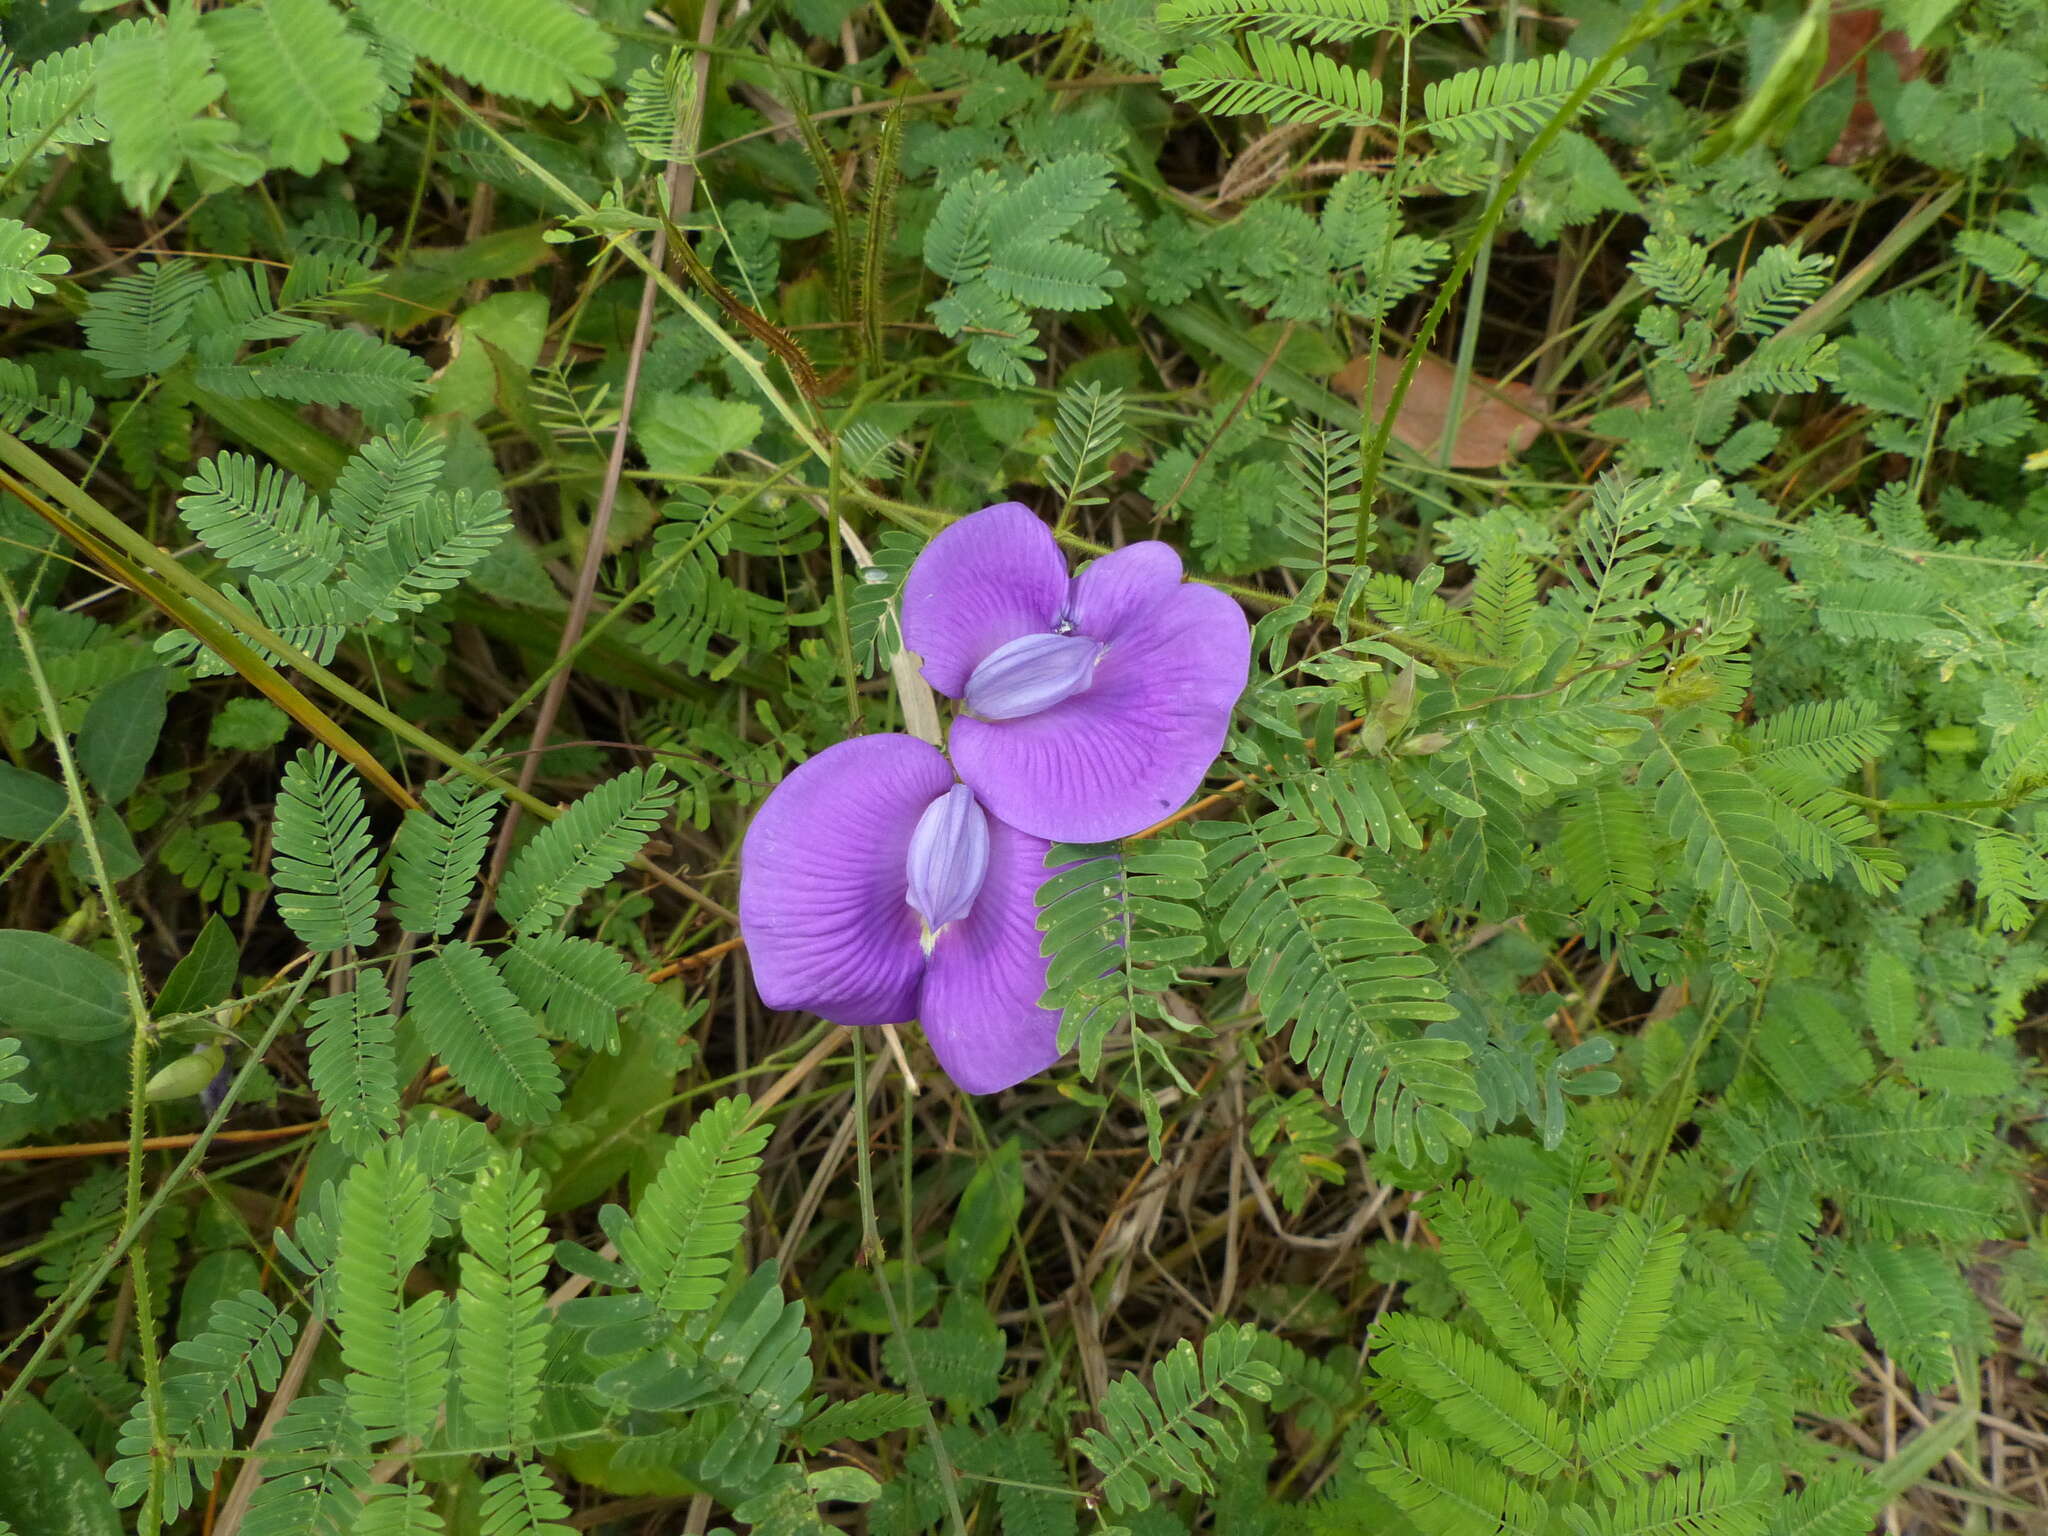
(1646, 25)
(138, 1008)
(871, 1237)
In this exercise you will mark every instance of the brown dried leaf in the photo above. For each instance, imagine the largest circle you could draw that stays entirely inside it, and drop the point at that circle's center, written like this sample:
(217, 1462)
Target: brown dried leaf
(1500, 420)
(1851, 34)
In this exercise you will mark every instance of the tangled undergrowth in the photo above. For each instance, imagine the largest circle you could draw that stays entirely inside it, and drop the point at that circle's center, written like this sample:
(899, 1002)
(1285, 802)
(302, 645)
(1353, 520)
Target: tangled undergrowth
(1575, 1065)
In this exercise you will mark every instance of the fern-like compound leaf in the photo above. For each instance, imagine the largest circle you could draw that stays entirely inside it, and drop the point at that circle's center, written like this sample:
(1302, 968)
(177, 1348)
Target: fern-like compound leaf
(349, 368)
(234, 1359)
(57, 417)
(298, 78)
(398, 1510)
(544, 51)
(863, 1418)
(1492, 1261)
(1447, 1491)
(658, 99)
(1116, 926)
(1777, 286)
(1189, 1422)
(1678, 272)
(523, 1502)
(12, 1066)
(589, 843)
(387, 481)
(1014, 18)
(1693, 1501)
(959, 1362)
(1324, 955)
(490, 1045)
(2011, 877)
(1087, 426)
(576, 986)
(1476, 1393)
(353, 1062)
(957, 241)
(437, 854)
(1722, 821)
(258, 518)
(1500, 99)
(154, 85)
(25, 267)
(46, 108)
(396, 1354)
(2019, 763)
(428, 553)
(1664, 1419)
(1284, 81)
(1626, 1298)
(1053, 201)
(324, 866)
(684, 1232)
(1311, 21)
(1816, 743)
(135, 325)
(316, 1466)
(501, 1317)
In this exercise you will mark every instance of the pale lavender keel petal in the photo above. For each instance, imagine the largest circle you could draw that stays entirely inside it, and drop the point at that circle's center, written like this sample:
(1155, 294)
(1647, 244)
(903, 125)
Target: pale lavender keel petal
(822, 881)
(980, 1006)
(1030, 673)
(994, 575)
(948, 858)
(1128, 752)
(1122, 586)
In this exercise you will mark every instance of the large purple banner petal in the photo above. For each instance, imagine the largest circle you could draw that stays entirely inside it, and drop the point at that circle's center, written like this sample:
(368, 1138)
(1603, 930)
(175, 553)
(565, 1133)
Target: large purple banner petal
(1129, 751)
(989, 578)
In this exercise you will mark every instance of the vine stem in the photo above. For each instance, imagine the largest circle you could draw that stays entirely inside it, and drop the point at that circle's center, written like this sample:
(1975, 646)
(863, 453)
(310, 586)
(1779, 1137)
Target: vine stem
(679, 191)
(139, 1032)
(190, 603)
(871, 1236)
(67, 1308)
(1475, 305)
(1646, 25)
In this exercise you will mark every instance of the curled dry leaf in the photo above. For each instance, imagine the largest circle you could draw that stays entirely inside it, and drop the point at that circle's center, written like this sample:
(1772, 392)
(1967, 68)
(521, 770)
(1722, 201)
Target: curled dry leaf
(1852, 35)
(1498, 422)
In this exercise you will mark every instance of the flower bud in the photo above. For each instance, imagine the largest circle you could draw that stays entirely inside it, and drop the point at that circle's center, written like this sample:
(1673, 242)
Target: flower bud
(948, 859)
(1031, 673)
(185, 1077)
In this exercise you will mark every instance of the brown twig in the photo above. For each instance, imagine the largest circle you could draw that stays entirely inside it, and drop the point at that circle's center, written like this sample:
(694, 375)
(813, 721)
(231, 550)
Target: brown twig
(153, 1143)
(680, 190)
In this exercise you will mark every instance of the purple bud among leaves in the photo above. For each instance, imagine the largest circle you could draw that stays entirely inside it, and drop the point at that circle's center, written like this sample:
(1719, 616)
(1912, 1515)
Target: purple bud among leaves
(948, 860)
(1030, 673)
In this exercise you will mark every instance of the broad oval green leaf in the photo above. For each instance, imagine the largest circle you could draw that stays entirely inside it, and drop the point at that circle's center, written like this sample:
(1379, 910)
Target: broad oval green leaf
(30, 803)
(120, 732)
(49, 1483)
(205, 976)
(987, 1216)
(57, 990)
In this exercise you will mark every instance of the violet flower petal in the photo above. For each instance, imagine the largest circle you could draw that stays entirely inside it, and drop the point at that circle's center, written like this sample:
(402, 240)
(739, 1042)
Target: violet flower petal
(1030, 673)
(823, 881)
(994, 575)
(1122, 587)
(1129, 751)
(948, 859)
(980, 1005)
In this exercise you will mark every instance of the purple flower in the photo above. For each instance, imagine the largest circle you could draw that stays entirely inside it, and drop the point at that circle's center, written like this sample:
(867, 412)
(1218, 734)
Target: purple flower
(1092, 706)
(875, 890)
